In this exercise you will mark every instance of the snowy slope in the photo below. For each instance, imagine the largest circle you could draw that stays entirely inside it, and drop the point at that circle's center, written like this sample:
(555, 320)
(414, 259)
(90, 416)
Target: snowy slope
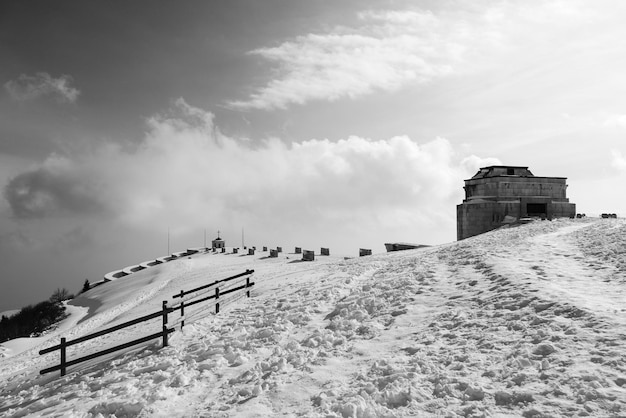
(527, 321)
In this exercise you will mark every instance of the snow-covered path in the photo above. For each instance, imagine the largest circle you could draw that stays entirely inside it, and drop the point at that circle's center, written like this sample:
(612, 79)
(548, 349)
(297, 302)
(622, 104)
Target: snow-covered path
(558, 268)
(526, 321)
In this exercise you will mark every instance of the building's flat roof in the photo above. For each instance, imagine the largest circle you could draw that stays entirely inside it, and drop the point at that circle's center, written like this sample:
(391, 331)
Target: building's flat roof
(504, 166)
(513, 177)
(500, 170)
(508, 171)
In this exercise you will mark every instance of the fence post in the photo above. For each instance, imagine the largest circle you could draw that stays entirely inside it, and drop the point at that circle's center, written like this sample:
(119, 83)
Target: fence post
(164, 323)
(248, 286)
(63, 358)
(182, 310)
(217, 297)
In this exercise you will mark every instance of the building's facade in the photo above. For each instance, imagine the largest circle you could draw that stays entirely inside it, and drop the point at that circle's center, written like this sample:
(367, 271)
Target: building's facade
(500, 194)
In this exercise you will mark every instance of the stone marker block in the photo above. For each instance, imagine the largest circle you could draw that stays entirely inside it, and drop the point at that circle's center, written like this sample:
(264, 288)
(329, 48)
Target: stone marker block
(235, 250)
(325, 251)
(364, 252)
(273, 253)
(279, 249)
(308, 255)
(250, 251)
(298, 250)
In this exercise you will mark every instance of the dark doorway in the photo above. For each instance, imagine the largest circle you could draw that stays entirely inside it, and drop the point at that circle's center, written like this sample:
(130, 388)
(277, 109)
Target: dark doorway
(536, 209)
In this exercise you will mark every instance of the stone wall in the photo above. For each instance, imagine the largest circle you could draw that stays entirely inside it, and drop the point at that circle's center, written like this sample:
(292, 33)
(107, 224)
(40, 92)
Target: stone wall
(503, 187)
(477, 217)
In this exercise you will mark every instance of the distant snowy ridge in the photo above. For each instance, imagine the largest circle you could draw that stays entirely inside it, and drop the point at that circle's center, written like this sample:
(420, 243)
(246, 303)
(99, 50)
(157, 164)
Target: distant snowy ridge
(527, 321)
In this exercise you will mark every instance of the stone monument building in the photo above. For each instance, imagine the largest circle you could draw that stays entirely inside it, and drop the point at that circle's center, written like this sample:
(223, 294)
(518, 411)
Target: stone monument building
(498, 195)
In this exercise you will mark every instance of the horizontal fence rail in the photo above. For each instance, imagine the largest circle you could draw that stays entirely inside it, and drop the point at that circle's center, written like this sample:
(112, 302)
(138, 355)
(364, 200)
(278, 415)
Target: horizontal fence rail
(107, 331)
(189, 297)
(65, 364)
(215, 283)
(212, 289)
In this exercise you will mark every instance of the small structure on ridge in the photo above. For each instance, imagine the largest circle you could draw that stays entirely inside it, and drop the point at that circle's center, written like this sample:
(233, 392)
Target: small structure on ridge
(218, 242)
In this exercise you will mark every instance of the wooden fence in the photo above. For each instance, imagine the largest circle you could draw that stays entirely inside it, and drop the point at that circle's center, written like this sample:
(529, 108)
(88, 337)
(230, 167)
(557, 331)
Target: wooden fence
(188, 299)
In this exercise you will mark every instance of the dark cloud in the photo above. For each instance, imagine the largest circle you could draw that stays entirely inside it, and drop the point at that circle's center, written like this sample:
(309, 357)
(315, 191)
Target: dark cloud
(28, 87)
(75, 239)
(14, 242)
(43, 193)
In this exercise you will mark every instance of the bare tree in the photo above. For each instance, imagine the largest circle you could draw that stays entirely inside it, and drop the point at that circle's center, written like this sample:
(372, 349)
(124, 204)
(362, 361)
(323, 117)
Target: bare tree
(60, 295)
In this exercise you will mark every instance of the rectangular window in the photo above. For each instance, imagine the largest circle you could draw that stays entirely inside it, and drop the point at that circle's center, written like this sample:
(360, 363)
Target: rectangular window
(536, 209)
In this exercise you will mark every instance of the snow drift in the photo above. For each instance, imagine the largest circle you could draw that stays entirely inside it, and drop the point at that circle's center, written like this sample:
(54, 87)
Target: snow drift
(527, 321)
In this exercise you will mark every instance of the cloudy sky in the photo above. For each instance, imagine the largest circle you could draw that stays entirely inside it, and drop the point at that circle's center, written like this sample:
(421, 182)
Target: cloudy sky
(311, 123)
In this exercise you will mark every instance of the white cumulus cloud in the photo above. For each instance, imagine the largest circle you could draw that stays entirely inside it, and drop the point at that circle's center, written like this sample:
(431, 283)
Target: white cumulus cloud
(618, 161)
(188, 171)
(616, 120)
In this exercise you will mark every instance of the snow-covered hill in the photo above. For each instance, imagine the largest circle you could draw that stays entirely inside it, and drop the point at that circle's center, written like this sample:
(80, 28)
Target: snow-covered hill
(527, 321)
